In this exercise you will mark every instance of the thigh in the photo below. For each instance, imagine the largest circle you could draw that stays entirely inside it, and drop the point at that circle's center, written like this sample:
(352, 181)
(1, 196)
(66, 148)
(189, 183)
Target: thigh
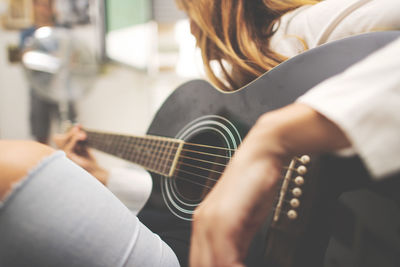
(59, 215)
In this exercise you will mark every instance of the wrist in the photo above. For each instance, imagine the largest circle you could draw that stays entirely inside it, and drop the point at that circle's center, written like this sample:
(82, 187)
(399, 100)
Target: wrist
(299, 129)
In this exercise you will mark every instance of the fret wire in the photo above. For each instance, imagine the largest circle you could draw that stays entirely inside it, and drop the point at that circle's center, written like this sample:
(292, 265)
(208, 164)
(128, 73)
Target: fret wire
(163, 152)
(165, 159)
(168, 157)
(175, 145)
(143, 153)
(158, 152)
(111, 144)
(126, 146)
(147, 153)
(136, 148)
(121, 145)
(133, 150)
(116, 144)
(147, 159)
(165, 166)
(129, 149)
(154, 147)
(138, 158)
(154, 162)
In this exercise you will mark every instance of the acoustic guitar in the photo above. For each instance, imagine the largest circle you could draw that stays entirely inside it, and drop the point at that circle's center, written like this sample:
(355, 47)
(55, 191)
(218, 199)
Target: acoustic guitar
(196, 132)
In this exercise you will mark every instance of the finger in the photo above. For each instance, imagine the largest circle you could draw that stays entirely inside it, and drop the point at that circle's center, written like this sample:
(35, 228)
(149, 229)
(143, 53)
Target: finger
(199, 251)
(72, 142)
(62, 139)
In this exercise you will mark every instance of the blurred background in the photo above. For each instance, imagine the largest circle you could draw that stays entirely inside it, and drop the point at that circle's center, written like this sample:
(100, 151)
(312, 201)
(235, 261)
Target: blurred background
(107, 64)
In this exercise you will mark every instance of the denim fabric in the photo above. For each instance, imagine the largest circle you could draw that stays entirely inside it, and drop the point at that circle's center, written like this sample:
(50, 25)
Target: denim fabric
(59, 215)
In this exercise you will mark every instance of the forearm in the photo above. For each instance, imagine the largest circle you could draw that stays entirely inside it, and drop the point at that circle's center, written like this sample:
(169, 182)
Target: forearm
(298, 129)
(278, 136)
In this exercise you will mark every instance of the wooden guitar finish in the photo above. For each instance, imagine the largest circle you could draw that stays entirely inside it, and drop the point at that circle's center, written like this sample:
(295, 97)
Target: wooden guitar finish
(197, 113)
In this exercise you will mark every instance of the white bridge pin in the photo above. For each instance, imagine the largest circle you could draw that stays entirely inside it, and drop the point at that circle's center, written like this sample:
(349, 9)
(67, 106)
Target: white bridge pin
(292, 214)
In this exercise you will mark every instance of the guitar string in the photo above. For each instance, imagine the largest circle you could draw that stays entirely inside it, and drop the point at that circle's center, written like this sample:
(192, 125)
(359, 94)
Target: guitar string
(214, 147)
(276, 197)
(159, 156)
(273, 209)
(150, 150)
(194, 182)
(163, 166)
(205, 153)
(198, 167)
(202, 160)
(170, 160)
(155, 151)
(150, 138)
(191, 173)
(195, 159)
(161, 146)
(201, 176)
(195, 174)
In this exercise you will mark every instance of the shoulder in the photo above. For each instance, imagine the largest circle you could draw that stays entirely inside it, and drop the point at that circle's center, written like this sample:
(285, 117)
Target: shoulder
(332, 20)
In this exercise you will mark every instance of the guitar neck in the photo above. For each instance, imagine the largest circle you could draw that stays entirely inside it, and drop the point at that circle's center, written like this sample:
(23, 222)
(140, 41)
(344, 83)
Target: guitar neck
(154, 153)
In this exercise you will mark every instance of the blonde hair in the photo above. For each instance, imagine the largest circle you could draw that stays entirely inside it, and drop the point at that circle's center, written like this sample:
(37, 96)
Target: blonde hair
(235, 34)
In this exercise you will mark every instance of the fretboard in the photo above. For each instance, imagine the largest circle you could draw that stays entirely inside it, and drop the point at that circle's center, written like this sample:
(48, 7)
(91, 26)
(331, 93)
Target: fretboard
(154, 153)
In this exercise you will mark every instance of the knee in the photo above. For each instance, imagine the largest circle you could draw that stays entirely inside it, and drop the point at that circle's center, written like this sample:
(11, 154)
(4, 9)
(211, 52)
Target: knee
(16, 159)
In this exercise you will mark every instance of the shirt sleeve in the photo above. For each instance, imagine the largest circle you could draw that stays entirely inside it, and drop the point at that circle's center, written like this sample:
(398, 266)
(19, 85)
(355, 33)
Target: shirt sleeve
(364, 101)
(312, 25)
(132, 185)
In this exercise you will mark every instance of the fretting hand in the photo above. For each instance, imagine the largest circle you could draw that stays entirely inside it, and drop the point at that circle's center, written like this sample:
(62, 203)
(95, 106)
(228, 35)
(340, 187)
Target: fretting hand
(72, 144)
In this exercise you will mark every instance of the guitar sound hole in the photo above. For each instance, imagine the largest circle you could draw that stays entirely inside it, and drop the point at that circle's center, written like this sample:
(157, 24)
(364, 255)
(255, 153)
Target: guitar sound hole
(202, 161)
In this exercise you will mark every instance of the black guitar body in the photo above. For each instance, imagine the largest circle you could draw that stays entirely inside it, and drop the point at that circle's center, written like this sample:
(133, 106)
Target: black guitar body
(197, 112)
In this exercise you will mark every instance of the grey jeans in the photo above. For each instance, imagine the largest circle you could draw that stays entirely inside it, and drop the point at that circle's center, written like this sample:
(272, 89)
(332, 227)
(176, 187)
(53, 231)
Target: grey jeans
(59, 215)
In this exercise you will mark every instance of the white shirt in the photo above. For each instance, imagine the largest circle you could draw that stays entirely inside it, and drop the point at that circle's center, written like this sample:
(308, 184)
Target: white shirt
(330, 20)
(364, 101)
(132, 185)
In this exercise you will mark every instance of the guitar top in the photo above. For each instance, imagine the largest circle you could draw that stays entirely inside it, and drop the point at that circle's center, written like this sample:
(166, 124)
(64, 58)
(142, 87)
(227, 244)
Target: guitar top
(201, 128)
